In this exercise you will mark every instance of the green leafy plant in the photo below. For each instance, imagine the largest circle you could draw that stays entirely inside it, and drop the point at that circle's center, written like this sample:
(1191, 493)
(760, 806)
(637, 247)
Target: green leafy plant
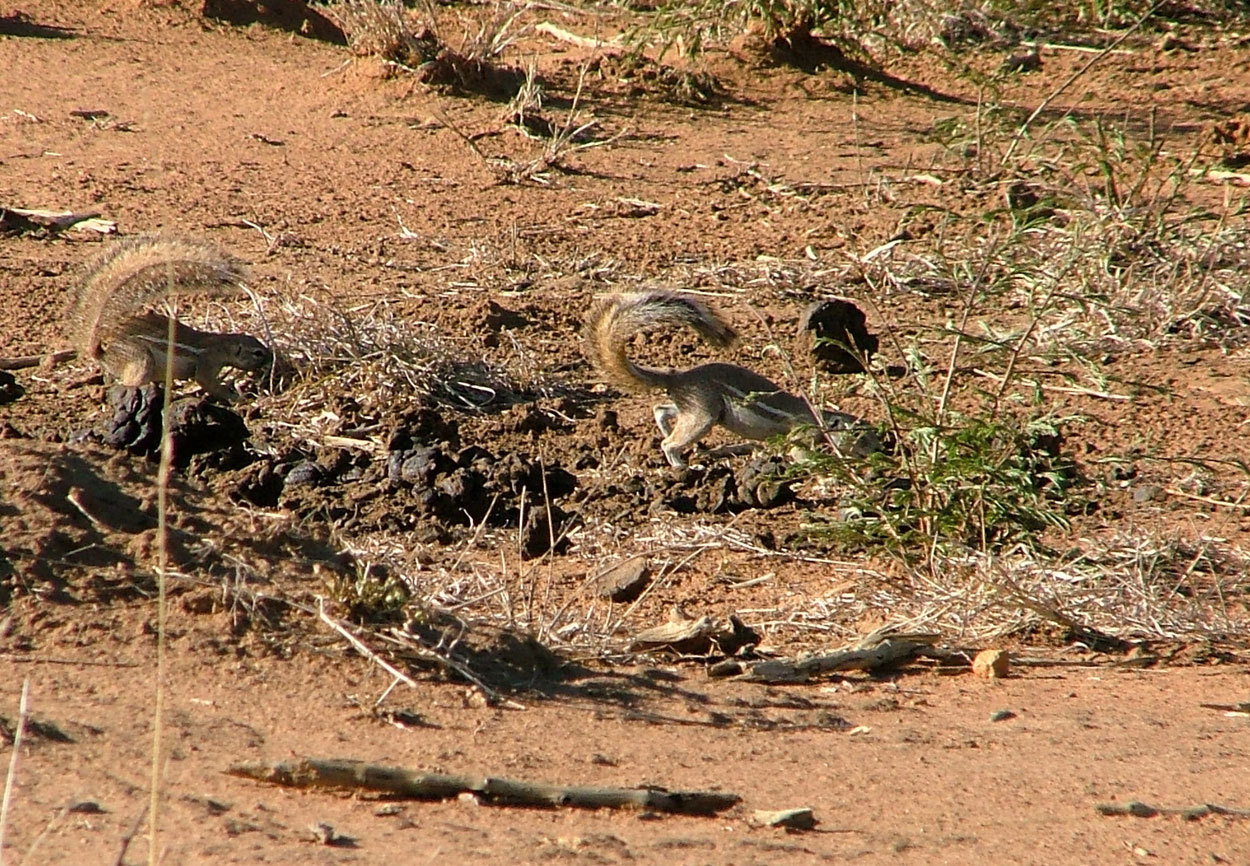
(370, 596)
(973, 482)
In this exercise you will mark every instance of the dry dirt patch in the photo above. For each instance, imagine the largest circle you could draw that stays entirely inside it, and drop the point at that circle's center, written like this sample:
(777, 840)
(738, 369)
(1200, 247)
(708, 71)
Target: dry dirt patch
(426, 261)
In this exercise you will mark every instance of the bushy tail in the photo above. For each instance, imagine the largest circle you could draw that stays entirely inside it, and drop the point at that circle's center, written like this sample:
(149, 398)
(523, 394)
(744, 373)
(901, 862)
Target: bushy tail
(135, 272)
(615, 318)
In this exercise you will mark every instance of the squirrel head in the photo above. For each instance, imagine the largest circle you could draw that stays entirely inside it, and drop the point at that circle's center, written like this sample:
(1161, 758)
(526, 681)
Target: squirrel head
(248, 353)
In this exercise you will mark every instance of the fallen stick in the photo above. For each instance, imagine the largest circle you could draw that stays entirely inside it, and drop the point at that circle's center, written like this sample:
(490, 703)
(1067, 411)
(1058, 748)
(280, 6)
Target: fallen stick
(493, 790)
(873, 652)
(20, 219)
(612, 46)
(360, 647)
(1136, 809)
(24, 362)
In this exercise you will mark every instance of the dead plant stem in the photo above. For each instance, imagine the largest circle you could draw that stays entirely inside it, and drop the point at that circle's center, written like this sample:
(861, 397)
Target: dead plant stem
(129, 837)
(1018, 349)
(362, 648)
(969, 303)
(162, 563)
(14, 760)
(1072, 79)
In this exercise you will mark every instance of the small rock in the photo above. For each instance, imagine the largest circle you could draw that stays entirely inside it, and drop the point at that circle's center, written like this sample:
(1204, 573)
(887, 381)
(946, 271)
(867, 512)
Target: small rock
(1024, 61)
(606, 419)
(202, 602)
(404, 717)
(211, 806)
(1121, 472)
(534, 420)
(790, 819)
(424, 425)
(200, 426)
(1147, 493)
(260, 484)
(304, 473)
(761, 483)
(327, 835)
(493, 319)
(992, 664)
(1171, 42)
(86, 807)
(416, 466)
(1001, 715)
(545, 530)
(623, 581)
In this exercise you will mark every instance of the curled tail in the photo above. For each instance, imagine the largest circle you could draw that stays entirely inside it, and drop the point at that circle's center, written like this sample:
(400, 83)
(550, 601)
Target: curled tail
(138, 271)
(613, 319)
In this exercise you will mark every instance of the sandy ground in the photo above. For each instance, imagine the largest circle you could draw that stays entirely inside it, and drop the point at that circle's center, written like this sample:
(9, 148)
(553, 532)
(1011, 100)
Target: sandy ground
(335, 179)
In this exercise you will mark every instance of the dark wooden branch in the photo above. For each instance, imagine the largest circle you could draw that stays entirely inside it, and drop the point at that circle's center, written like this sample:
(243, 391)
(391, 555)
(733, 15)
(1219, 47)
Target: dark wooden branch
(877, 650)
(24, 362)
(362, 776)
(1136, 809)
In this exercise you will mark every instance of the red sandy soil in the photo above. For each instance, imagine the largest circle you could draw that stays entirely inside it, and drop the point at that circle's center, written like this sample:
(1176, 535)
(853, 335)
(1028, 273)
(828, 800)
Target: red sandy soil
(212, 127)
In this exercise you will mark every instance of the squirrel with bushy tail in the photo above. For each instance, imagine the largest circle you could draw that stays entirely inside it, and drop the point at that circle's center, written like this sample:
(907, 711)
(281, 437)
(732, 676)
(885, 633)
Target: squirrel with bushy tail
(708, 395)
(111, 327)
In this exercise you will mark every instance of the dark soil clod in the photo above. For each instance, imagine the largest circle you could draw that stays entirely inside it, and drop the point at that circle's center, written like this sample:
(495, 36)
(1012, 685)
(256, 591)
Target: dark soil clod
(624, 581)
(836, 334)
(197, 427)
(721, 489)
(10, 388)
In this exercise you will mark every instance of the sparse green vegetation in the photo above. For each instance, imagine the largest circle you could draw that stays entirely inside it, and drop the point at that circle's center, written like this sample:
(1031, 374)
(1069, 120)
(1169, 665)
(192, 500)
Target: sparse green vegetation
(367, 596)
(1094, 241)
(973, 483)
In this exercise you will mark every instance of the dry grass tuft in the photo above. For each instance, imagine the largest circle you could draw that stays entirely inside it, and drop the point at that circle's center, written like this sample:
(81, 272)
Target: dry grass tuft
(1128, 586)
(410, 40)
(384, 363)
(1131, 586)
(381, 28)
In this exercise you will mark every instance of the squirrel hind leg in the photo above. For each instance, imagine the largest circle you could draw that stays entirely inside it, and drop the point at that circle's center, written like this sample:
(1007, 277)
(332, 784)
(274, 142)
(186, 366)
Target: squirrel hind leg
(665, 417)
(133, 366)
(687, 429)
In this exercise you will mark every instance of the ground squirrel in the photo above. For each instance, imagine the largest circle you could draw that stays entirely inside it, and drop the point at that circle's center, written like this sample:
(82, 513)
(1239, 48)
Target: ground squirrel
(702, 397)
(108, 328)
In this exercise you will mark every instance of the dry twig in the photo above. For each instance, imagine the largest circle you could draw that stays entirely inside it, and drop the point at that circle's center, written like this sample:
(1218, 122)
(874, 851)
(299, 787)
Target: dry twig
(492, 790)
(1137, 809)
